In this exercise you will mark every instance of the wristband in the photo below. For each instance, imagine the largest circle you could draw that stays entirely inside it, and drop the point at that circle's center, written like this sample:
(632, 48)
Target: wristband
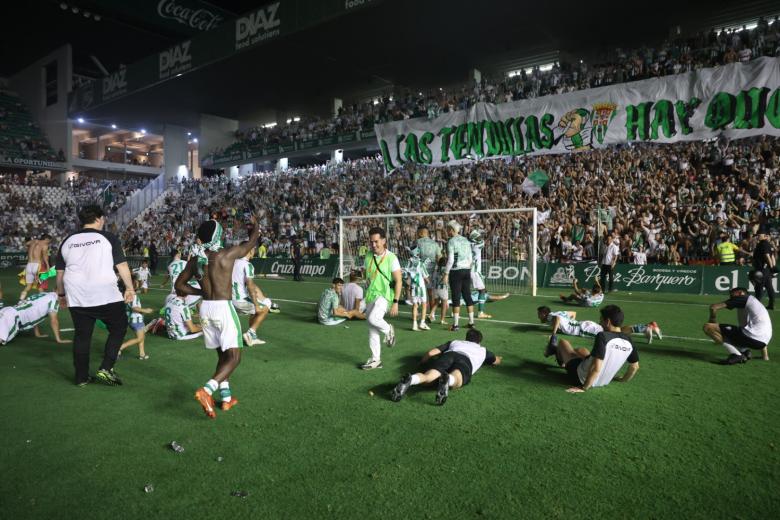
(395, 301)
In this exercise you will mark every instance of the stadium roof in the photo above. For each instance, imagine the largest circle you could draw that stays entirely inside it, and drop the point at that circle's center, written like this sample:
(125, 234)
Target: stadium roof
(400, 42)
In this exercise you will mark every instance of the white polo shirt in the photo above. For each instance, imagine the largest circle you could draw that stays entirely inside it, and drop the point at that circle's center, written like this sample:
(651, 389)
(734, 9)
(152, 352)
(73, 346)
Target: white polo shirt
(88, 258)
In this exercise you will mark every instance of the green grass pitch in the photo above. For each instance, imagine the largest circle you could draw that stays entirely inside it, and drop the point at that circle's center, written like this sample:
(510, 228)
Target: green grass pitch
(686, 438)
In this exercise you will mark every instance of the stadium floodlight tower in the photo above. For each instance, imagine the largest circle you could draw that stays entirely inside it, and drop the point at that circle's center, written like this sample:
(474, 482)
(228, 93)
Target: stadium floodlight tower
(507, 259)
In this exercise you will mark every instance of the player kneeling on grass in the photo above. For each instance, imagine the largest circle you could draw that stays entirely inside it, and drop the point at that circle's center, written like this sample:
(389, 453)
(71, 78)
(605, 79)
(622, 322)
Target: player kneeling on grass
(566, 323)
(611, 349)
(753, 332)
(584, 297)
(28, 314)
(135, 321)
(329, 309)
(450, 365)
(248, 299)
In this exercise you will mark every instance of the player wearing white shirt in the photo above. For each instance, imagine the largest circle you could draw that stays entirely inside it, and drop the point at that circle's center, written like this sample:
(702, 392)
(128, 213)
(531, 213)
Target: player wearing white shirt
(612, 348)
(9, 324)
(34, 310)
(418, 282)
(584, 297)
(753, 332)
(141, 274)
(175, 268)
(135, 321)
(477, 281)
(610, 258)
(247, 297)
(177, 318)
(452, 365)
(441, 292)
(352, 296)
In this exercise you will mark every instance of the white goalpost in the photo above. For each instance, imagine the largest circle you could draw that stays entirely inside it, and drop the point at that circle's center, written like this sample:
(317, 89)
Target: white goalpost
(508, 258)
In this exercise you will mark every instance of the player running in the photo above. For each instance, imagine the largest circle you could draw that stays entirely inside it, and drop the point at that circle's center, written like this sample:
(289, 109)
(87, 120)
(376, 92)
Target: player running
(248, 299)
(221, 327)
(135, 320)
(566, 322)
(141, 275)
(584, 297)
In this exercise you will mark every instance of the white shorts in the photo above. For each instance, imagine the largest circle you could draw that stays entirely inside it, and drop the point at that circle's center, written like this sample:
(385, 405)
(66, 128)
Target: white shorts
(477, 282)
(419, 299)
(333, 321)
(221, 328)
(442, 294)
(589, 328)
(191, 300)
(144, 285)
(247, 308)
(31, 272)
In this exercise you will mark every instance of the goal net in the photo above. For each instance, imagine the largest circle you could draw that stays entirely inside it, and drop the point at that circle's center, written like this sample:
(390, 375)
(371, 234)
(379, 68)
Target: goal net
(508, 254)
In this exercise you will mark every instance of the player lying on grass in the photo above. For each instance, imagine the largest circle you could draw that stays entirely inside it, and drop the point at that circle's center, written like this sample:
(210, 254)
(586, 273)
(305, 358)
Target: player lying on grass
(221, 327)
(28, 314)
(489, 298)
(135, 321)
(584, 297)
(753, 332)
(450, 365)
(329, 309)
(566, 323)
(611, 349)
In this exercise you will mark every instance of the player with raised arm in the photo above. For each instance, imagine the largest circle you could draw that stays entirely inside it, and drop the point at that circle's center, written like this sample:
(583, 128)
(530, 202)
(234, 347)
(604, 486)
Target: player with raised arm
(221, 326)
(566, 322)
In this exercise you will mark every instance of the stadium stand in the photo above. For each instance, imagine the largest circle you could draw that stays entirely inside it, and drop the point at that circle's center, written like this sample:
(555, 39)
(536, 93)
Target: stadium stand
(20, 135)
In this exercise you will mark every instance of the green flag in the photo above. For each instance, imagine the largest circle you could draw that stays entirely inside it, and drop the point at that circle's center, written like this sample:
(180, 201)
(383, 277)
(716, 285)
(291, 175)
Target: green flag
(534, 183)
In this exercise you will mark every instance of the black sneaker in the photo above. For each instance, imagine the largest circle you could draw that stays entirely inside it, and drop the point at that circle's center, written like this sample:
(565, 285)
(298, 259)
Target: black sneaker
(107, 377)
(444, 389)
(401, 388)
(747, 354)
(733, 359)
(470, 326)
(454, 328)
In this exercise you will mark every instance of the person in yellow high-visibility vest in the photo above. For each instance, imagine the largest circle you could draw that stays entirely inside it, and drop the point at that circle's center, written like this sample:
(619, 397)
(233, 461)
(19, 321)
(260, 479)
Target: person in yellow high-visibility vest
(383, 274)
(726, 251)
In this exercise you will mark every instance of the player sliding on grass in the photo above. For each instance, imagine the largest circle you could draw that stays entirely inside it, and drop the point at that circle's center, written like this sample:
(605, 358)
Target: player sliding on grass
(754, 330)
(221, 327)
(566, 323)
(611, 349)
(584, 297)
(451, 365)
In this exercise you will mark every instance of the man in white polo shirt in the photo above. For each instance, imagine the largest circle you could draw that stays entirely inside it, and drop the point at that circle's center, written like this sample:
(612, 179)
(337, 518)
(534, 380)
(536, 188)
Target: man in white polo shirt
(86, 283)
(753, 332)
(608, 261)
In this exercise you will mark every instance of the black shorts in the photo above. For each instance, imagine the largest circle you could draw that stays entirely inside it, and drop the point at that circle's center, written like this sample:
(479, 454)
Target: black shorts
(571, 369)
(460, 287)
(735, 336)
(449, 361)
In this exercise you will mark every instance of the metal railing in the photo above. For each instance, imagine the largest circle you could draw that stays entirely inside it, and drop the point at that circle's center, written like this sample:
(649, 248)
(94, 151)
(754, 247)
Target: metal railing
(139, 201)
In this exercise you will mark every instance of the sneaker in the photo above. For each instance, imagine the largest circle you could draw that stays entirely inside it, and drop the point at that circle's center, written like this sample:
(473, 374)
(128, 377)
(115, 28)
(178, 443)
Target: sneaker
(87, 381)
(454, 328)
(274, 309)
(470, 326)
(424, 326)
(371, 364)
(107, 377)
(206, 401)
(415, 327)
(444, 322)
(431, 318)
(733, 359)
(401, 388)
(144, 358)
(251, 339)
(552, 346)
(484, 316)
(747, 354)
(443, 391)
(227, 405)
(390, 338)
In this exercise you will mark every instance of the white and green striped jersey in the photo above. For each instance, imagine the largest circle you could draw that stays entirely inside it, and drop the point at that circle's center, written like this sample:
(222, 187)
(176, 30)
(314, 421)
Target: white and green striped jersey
(35, 308)
(175, 268)
(430, 251)
(329, 301)
(458, 253)
(417, 275)
(242, 269)
(134, 317)
(142, 273)
(566, 324)
(476, 252)
(176, 314)
(593, 300)
(9, 324)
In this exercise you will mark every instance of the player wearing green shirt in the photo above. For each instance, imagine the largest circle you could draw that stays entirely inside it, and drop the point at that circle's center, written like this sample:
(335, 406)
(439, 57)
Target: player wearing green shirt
(458, 272)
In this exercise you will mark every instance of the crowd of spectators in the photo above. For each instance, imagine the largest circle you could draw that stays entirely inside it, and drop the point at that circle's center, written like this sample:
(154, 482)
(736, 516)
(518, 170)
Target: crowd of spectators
(704, 49)
(669, 203)
(20, 135)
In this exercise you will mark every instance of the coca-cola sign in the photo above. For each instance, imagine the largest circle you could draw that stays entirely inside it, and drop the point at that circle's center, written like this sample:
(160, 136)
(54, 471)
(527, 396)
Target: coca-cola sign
(195, 18)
